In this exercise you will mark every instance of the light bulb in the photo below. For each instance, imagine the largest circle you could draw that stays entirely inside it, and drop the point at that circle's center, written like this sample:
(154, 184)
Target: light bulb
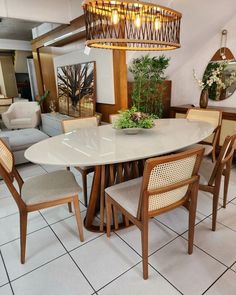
(157, 23)
(137, 20)
(115, 16)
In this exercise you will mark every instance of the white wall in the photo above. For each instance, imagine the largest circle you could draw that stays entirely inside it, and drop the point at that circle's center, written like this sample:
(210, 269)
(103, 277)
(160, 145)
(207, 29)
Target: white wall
(201, 28)
(104, 69)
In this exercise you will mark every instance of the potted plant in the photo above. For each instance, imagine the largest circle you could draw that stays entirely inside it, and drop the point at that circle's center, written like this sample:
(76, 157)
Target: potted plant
(148, 87)
(132, 121)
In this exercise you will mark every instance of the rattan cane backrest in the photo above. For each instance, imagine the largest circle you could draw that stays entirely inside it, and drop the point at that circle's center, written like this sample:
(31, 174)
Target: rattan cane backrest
(213, 117)
(6, 157)
(79, 123)
(166, 179)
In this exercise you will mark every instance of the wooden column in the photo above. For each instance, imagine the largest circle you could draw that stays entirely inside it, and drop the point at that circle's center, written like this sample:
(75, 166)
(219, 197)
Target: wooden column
(120, 78)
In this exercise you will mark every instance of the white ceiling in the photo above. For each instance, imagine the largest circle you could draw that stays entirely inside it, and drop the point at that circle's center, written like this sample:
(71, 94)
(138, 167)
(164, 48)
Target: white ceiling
(16, 29)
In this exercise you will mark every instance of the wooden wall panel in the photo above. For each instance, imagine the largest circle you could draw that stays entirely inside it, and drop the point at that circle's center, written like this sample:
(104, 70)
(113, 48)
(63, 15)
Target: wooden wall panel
(47, 68)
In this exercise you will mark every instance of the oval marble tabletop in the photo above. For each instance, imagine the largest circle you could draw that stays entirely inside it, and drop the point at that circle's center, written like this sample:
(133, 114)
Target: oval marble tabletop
(105, 145)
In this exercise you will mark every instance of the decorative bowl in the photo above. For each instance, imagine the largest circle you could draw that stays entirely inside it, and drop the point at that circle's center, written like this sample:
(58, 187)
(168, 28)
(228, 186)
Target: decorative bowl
(131, 131)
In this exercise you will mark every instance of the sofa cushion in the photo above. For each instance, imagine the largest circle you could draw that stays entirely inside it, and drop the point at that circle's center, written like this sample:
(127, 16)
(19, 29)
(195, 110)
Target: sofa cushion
(22, 139)
(20, 121)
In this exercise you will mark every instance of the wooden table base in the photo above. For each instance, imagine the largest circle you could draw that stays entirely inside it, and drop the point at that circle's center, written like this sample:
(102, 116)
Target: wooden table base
(104, 176)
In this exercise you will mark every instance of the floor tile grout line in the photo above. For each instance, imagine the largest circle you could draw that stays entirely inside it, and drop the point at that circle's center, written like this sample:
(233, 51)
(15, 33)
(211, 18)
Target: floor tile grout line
(85, 243)
(28, 234)
(5, 267)
(204, 251)
(70, 256)
(1, 245)
(38, 267)
(215, 281)
(165, 278)
(120, 275)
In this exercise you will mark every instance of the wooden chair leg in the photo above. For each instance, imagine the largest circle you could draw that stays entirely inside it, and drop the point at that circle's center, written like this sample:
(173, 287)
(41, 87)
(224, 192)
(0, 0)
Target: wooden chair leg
(214, 211)
(78, 217)
(70, 207)
(23, 233)
(144, 233)
(226, 186)
(116, 218)
(192, 217)
(84, 180)
(108, 215)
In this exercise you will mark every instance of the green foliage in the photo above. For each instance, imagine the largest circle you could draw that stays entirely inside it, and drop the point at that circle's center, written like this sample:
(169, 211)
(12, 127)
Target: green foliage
(134, 119)
(148, 83)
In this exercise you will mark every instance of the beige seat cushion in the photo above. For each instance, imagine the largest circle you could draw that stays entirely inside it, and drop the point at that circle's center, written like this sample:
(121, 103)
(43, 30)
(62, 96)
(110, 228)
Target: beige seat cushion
(208, 148)
(49, 187)
(127, 194)
(205, 170)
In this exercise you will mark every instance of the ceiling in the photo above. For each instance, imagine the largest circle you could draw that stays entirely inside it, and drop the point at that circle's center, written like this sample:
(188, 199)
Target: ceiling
(16, 29)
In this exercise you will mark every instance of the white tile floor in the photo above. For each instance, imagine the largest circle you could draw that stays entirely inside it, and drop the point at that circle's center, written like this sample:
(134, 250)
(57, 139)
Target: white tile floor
(58, 263)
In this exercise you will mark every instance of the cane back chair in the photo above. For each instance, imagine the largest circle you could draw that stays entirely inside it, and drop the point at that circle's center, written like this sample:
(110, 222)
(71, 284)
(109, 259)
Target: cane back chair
(38, 192)
(211, 175)
(79, 123)
(213, 117)
(167, 183)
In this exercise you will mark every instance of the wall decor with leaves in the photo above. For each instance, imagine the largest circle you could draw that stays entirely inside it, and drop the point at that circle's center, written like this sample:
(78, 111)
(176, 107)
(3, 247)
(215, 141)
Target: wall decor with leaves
(77, 89)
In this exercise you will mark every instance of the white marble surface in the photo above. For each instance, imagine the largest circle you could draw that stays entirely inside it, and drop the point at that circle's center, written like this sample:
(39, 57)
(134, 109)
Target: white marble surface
(105, 145)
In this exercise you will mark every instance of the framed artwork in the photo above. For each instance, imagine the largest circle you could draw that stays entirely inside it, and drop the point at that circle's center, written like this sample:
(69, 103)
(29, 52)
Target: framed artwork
(76, 89)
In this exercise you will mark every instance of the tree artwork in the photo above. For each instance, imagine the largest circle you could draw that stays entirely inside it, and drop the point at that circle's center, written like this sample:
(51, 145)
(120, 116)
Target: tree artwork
(76, 89)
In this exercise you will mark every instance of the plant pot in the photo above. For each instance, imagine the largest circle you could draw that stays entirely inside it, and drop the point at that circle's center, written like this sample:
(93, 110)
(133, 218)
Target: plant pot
(204, 99)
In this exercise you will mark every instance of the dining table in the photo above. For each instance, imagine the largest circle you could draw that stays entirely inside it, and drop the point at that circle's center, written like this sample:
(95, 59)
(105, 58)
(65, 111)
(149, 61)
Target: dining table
(116, 156)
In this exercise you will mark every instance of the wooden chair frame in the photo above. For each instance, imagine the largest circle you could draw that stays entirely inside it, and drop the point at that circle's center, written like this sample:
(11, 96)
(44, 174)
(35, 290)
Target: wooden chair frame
(143, 215)
(221, 168)
(216, 132)
(25, 209)
(83, 171)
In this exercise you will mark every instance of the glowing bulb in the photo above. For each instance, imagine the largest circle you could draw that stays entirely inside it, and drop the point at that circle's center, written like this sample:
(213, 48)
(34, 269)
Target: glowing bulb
(137, 20)
(115, 16)
(157, 23)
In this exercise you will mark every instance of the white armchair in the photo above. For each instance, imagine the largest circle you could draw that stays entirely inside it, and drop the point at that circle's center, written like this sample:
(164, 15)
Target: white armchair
(22, 115)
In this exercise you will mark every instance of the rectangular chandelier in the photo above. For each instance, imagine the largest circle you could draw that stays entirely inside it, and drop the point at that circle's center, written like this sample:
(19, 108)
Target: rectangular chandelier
(131, 25)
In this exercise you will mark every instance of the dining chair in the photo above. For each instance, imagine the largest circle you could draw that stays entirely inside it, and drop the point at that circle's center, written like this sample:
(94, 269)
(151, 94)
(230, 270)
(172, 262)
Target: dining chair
(213, 117)
(211, 175)
(79, 123)
(167, 183)
(113, 118)
(44, 191)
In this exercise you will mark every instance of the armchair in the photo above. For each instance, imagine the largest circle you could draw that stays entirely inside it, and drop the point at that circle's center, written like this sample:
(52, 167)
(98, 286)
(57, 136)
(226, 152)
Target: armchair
(22, 115)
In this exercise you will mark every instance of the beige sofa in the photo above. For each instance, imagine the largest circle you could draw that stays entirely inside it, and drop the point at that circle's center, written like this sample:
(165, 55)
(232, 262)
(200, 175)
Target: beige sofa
(22, 115)
(20, 140)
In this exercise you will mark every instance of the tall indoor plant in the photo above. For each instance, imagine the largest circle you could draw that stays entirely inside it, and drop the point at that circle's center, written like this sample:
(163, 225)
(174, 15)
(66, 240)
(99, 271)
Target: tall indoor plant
(148, 89)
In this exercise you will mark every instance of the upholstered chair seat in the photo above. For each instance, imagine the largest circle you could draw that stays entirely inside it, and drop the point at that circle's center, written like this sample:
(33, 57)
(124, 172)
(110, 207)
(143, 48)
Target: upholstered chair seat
(49, 187)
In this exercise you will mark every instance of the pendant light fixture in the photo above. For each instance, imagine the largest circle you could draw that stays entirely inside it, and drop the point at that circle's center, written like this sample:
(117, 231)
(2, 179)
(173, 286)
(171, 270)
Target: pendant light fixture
(131, 25)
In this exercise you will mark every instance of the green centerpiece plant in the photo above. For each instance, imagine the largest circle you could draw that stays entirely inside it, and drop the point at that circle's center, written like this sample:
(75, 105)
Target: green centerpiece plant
(148, 89)
(134, 119)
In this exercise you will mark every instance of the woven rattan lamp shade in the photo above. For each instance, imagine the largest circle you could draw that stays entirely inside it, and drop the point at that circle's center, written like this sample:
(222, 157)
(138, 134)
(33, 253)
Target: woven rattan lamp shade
(131, 25)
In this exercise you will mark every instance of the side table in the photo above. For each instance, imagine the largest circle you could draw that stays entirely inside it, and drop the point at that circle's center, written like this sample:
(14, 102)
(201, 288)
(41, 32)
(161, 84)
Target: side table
(51, 123)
